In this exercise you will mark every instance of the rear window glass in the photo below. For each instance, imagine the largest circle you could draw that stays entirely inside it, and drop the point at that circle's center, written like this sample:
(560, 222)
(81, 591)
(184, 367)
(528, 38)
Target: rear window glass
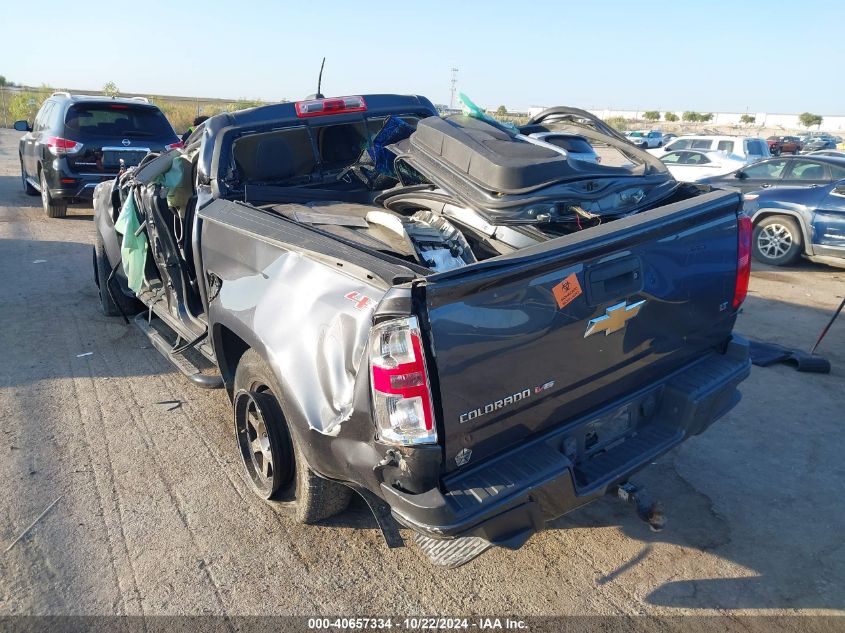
(807, 171)
(299, 153)
(275, 156)
(570, 144)
(726, 146)
(339, 146)
(695, 158)
(117, 120)
(701, 144)
(837, 172)
(681, 143)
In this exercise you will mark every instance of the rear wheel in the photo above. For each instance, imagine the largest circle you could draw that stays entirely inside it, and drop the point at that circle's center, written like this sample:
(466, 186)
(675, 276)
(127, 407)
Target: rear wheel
(52, 207)
(274, 464)
(777, 241)
(28, 189)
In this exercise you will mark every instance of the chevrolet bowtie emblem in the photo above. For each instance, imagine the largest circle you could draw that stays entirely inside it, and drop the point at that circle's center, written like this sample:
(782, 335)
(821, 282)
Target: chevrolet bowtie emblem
(614, 318)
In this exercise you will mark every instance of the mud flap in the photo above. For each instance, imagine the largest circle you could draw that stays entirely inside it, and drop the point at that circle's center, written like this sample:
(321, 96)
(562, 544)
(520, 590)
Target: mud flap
(388, 526)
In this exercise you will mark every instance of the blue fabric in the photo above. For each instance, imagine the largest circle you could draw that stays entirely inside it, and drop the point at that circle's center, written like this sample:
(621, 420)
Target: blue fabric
(393, 131)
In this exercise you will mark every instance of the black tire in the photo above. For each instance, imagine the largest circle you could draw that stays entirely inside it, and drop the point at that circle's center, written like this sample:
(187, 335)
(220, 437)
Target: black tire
(102, 270)
(275, 466)
(52, 207)
(28, 189)
(777, 241)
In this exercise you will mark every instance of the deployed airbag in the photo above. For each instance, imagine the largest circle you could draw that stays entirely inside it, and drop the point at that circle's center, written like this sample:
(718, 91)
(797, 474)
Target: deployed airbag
(133, 247)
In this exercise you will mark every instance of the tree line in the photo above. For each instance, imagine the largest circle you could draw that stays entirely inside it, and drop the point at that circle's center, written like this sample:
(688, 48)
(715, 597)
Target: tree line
(807, 119)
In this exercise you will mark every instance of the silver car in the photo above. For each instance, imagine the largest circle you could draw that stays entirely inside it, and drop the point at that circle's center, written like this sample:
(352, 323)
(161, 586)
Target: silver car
(575, 145)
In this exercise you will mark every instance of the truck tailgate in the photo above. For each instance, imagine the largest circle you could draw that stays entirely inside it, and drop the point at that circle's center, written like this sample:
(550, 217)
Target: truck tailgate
(528, 341)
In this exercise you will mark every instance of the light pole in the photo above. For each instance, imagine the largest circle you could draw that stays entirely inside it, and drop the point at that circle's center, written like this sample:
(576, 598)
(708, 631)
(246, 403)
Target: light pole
(453, 81)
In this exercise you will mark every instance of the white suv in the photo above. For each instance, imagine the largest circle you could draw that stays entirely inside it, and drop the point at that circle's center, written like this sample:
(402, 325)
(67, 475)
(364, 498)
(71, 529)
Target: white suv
(645, 139)
(746, 148)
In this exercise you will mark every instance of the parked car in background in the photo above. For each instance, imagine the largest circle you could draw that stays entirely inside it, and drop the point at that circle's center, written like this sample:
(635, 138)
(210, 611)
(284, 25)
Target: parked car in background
(669, 137)
(645, 139)
(77, 142)
(797, 171)
(775, 145)
(784, 145)
(690, 165)
(790, 222)
(576, 146)
(834, 153)
(790, 144)
(749, 149)
(815, 143)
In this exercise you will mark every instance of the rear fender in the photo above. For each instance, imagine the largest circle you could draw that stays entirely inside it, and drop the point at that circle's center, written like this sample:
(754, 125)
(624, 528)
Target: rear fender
(802, 222)
(308, 320)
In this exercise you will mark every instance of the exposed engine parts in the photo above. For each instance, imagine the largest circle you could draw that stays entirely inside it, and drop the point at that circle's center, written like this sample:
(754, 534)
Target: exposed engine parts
(439, 244)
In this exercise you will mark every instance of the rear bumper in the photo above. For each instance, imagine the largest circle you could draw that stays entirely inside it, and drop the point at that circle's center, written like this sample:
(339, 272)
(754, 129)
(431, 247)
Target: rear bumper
(66, 183)
(83, 190)
(509, 497)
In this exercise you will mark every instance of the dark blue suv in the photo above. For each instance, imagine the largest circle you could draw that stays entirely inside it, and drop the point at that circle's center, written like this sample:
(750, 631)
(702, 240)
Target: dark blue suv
(77, 142)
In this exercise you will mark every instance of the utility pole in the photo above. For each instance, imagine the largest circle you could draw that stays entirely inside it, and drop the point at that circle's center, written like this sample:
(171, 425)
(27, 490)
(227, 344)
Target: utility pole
(453, 81)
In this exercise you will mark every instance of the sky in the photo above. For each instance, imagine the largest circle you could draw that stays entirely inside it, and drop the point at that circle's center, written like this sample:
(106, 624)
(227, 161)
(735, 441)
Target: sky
(707, 55)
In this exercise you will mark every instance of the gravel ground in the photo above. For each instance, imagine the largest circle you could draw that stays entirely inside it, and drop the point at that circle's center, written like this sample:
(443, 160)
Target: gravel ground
(153, 516)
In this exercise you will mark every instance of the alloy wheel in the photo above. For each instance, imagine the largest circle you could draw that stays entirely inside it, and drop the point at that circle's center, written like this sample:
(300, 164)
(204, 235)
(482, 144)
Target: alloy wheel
(774, 240)
(45, 195)
(267, 457)
(253, 439)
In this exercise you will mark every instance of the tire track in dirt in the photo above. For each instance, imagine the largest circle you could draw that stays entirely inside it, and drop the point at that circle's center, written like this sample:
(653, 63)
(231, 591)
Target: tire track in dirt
(107, 481)
(133, 409)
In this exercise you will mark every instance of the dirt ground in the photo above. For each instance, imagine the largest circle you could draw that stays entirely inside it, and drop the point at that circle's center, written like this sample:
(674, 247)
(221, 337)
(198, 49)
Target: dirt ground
(152, 515)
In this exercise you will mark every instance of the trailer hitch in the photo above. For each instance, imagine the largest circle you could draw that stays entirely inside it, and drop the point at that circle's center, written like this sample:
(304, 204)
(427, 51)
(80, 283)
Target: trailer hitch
(649, 511)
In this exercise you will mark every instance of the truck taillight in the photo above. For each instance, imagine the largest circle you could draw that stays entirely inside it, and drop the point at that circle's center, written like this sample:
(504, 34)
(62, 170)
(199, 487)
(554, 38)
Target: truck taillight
(743, 260)
(59, 146)
(402, 407)
(322, 107)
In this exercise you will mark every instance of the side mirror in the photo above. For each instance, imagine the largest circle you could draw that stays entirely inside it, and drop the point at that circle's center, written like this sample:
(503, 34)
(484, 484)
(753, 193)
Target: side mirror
(740, 175)
(22, 126)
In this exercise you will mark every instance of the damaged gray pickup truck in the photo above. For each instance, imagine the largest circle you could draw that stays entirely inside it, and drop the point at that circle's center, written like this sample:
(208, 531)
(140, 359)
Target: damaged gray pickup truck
(472, 329)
